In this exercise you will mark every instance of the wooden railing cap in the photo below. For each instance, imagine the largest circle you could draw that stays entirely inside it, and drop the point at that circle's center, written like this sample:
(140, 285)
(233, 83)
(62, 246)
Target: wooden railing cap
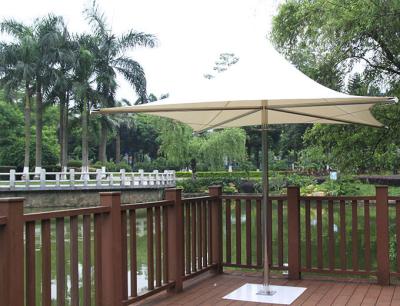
(12, 200)
(110, 193)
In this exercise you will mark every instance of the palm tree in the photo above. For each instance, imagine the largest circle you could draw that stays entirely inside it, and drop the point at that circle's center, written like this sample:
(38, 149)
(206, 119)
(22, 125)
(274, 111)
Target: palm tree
(65, 53)
(18, 65)
(47, 32)
(84, 94)
(110, 60)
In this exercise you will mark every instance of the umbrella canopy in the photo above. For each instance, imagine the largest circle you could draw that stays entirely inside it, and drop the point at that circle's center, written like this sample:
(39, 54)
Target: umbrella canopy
(261, 79)
(261, 88)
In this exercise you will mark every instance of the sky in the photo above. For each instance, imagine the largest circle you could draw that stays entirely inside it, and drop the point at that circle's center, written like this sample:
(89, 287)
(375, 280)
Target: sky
(191, 34)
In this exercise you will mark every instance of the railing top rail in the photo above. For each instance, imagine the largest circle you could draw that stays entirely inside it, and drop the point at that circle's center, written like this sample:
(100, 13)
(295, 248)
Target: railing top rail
(3, 220)
(243, 196)
(146, 205)
(394, 198)
(185, 200)
(65, 213)
(338, 198)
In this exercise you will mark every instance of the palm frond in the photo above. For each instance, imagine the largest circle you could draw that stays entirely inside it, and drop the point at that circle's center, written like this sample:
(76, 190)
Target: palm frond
(134, 39)
(15, 28)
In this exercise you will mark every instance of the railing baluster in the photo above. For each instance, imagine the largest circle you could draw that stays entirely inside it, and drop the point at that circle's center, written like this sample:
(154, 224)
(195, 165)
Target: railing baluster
(319, 235)
(398, 233)
(354, 234)
(209, 246)
(46, 263)
(165, 244)
(97, 258)
(150, 252)
(269, 232)
(259, 233)
(124, 255)
(367, 236)
(200, 234)
(343, 263)
(158, 245)
(187, 238)
(60, 261)
(228, 231)
(194, 233)
(87, 290)
(204, 227)
(133, 246)
(308, 235)
(331, 237)
(74, 261)
(238, 232)
(31, 264)
(280, 233)
(248, 232)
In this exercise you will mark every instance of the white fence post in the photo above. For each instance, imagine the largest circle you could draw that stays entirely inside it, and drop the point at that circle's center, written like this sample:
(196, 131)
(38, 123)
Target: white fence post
(58, 179)
(141, 177)
(111, 179)
(86, 177)
(98, 177)
(122, 173)
(43, 178)
(156, 178)
(72, 177)
(12, 178)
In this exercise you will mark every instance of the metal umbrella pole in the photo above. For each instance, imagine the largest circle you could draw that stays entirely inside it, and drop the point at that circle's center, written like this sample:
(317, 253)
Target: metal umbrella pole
(266, 290)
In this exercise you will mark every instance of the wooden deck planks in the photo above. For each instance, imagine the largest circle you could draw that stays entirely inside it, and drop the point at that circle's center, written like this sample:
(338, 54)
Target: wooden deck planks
(212, 288)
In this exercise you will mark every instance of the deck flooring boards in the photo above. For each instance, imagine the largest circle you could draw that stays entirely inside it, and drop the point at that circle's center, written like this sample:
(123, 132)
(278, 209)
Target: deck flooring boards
(209, 290)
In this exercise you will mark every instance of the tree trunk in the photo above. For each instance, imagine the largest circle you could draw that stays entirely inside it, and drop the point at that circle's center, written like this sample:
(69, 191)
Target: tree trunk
(39, 128)
(27, 119)
(85, 152)
(103, 143)
(64, 131)
(118, 146)
(61, 134)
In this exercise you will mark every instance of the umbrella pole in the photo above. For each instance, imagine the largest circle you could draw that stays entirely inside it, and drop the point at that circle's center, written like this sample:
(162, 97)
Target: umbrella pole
(266, 290)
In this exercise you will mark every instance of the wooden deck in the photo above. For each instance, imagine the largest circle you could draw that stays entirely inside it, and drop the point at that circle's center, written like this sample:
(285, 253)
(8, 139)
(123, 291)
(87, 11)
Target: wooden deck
(211, 288)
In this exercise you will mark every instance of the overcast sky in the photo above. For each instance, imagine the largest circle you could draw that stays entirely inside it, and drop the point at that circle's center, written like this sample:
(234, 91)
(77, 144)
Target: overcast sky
(191, 33)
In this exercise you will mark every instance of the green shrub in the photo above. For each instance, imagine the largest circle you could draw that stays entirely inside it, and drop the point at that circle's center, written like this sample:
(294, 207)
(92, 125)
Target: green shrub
(73, 163)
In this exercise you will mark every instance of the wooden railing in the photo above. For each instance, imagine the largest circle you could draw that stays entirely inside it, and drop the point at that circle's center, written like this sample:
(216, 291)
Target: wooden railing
(91, 255)
(43, 251)
(88, 180)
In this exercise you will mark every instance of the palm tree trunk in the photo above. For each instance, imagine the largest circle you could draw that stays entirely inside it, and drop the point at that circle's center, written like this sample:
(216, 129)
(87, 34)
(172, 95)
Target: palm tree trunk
(103, 143)
(85, 152)
(39, 129)
(64, 132)
(27, 119)
(118, 146)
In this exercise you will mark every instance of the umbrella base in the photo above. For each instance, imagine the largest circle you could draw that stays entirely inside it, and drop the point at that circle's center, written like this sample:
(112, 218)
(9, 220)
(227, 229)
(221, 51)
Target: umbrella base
(284, 295)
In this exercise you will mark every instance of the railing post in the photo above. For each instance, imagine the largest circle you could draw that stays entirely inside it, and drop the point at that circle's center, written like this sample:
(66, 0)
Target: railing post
(382, 234)
(98, 177)
(294, 255)
(123, 177)
(12, 179)
(42, 177)
(141, 177)
(12, 252)
(72, 177)
(216, 228)
(175, 237)
(111, 249)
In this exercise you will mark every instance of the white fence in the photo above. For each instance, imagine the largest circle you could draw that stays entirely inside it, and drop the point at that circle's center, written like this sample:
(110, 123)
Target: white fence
(87, 180)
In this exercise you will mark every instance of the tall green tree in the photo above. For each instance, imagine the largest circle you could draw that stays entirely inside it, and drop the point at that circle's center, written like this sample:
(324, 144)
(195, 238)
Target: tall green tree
(327, 40)
(17, 62)
(110, 59)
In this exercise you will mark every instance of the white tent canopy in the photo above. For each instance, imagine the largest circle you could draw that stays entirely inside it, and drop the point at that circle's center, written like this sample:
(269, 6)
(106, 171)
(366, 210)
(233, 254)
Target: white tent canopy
(261, 78)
